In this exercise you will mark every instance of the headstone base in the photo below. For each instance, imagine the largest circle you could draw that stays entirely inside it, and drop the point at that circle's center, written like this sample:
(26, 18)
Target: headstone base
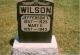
(35, 48)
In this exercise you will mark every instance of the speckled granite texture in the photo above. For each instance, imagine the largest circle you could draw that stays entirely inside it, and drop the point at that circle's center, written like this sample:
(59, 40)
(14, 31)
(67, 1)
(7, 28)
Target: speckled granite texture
(35, 48)
(32, 51)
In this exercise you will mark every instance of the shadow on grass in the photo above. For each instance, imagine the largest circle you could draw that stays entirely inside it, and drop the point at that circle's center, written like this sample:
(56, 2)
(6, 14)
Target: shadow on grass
(12, 41)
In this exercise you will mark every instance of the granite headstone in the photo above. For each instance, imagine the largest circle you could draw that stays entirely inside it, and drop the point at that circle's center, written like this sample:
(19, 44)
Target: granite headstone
(35, 20)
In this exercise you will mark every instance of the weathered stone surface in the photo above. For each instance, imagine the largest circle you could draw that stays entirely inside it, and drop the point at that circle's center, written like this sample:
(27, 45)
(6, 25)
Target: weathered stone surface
(35, 48)
(40, 51)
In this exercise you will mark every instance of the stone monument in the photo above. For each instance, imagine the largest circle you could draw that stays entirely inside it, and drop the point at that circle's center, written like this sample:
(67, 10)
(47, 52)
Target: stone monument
(35, 20)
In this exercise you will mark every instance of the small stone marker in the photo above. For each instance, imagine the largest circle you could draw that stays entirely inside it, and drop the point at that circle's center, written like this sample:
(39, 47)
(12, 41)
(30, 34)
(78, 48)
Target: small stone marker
(35, 20)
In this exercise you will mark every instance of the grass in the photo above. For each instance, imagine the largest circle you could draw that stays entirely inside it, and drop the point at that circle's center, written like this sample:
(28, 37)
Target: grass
(65, 25)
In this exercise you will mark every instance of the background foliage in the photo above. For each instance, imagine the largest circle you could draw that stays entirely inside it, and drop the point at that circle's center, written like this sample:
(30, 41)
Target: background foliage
(65, 25)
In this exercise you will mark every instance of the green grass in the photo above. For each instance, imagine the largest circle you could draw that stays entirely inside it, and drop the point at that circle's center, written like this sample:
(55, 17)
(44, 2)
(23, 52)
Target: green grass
(65, 25)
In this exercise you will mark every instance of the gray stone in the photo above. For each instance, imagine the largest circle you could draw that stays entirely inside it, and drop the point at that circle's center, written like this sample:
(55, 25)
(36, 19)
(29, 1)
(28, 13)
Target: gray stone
(35, 48)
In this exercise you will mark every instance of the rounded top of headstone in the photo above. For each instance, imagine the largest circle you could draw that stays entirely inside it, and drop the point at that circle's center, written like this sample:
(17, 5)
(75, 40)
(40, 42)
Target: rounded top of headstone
(35, 0)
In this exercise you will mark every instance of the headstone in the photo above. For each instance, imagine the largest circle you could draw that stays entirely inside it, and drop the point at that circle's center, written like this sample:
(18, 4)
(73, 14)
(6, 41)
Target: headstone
(35, 18)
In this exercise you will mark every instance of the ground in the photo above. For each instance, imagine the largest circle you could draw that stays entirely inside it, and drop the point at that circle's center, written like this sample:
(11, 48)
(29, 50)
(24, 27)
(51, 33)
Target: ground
(65, 26)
